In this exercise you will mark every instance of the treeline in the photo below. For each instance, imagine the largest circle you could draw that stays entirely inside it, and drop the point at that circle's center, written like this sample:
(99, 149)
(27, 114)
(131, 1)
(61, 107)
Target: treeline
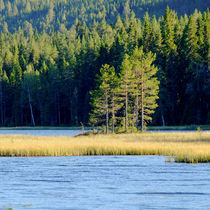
(46, 79)
(60, 15)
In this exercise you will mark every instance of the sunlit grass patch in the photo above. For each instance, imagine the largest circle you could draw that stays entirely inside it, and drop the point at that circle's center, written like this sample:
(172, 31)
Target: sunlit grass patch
(182, 147)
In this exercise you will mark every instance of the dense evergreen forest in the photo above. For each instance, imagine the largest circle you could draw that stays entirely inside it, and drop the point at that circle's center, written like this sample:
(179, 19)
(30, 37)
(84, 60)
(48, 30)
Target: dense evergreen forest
(58, 76)
(60, 15)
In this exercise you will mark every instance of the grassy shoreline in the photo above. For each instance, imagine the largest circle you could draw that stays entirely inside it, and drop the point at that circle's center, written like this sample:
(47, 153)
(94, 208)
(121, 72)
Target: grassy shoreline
(182, 147)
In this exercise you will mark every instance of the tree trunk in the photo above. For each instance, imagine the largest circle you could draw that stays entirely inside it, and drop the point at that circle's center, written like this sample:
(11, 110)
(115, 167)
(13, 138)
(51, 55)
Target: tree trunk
(142, 108)
(137, 110)
(163, 120)
(113, 112)
(31, 109)
(113, 118)
(134, 118)
(107, 116)
(126, 111)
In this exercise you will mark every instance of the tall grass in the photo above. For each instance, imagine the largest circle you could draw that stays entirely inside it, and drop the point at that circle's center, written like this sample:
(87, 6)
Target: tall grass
(184, 147)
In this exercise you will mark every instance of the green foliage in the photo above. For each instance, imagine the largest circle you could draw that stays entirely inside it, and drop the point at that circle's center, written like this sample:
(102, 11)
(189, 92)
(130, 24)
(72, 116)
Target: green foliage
(199, 129)
(137, 91)
(104, 97)
(60, 15)
(58, 65)
(144, 86)
(126, 87)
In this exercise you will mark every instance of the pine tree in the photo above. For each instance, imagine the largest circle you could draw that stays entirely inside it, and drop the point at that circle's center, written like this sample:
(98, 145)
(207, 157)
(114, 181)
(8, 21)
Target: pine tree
(126, 10)
(118, 24)
(115, 102)
(127, 86)
(146, 85)
(101, 97)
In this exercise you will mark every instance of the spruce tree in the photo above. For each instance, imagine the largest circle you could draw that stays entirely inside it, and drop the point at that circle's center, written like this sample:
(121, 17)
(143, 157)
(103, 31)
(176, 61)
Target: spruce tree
(147, 33)
(168, 75)
(3, 95)
(30, 88)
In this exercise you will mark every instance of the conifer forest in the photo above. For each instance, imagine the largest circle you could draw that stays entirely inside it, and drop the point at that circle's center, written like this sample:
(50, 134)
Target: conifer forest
(104, 62)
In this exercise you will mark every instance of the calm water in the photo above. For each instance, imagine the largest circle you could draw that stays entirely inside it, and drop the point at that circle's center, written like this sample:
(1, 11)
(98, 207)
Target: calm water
(44, 132)
(63, 132)
(102, 182)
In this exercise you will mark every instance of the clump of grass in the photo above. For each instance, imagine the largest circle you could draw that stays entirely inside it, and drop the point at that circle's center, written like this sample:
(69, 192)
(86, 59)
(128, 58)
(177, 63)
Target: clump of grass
(169, 159)
(182, 147)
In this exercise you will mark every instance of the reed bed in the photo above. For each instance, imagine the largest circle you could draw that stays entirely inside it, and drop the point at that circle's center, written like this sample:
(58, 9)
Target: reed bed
(181, 147)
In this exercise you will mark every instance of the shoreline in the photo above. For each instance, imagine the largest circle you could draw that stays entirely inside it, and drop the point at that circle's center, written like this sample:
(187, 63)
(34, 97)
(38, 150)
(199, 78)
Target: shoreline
(190, 147)
(150, 128)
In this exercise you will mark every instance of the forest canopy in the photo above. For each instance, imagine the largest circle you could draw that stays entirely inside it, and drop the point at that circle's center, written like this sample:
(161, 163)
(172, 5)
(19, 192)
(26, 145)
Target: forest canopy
(49, 68)
(59, 15)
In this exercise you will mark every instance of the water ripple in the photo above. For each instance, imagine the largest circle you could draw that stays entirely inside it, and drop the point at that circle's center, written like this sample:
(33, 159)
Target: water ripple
(102, 182)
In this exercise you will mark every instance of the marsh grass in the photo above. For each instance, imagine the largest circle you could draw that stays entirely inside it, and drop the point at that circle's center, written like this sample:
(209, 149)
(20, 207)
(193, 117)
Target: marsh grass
(188, 147)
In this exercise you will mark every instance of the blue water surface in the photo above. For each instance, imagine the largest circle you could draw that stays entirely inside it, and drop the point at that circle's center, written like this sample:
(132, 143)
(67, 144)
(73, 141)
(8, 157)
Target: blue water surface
(102, 182)
(43, 132)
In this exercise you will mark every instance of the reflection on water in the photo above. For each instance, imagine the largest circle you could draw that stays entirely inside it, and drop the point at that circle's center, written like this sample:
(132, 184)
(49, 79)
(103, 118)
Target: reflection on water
(108, 183)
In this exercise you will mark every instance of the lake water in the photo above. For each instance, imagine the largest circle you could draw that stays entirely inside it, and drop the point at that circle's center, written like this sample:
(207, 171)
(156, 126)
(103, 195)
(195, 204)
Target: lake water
(44, 132)
(102, 182)
(65, 132)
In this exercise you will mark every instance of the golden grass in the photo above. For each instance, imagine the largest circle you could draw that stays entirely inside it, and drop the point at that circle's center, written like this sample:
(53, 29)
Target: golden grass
(184, 147)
